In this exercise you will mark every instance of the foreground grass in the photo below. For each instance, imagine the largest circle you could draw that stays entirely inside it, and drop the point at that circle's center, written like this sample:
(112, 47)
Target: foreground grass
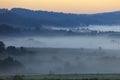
(62, 77)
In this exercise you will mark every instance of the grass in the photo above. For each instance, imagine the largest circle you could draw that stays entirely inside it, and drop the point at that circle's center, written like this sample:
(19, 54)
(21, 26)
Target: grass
(66, 77)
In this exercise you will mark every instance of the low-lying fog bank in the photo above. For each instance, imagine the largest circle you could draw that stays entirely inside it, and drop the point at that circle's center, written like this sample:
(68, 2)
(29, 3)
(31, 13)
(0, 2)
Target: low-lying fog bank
(65, 42)
(69, 60)
(68, 54)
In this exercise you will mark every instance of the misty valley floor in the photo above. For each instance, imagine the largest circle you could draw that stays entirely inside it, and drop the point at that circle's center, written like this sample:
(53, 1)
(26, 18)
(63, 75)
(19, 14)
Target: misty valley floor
(71, 61)
(68, 54)
(68, 64)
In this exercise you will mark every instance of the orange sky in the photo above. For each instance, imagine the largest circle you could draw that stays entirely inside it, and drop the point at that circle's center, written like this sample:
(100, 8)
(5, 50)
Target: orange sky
(68, 6)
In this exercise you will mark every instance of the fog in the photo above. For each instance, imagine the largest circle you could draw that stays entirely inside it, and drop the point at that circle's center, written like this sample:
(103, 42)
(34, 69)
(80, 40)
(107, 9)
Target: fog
(69, 54)
(115, 28)
(67, 61)
(65, 42)
(103, 28)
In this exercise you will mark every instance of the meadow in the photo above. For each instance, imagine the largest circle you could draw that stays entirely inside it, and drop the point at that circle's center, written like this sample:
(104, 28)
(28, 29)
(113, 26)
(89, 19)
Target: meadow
(62, 77)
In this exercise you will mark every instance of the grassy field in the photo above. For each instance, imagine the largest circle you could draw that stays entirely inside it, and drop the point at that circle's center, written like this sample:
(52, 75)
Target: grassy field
(63, 77)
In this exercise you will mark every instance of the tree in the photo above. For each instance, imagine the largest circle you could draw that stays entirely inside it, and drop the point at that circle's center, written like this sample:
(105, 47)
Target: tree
(2, 47)
(10, 64)
(22, 49)
(12, 50)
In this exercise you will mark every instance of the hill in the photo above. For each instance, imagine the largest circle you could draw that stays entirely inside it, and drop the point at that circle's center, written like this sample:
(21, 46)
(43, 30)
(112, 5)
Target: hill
(31, 18)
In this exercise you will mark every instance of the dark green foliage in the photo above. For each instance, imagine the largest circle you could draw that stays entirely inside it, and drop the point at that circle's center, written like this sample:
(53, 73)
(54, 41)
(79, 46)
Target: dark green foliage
(9, 64)
(17, 77)
(2, 47)
(12, 50)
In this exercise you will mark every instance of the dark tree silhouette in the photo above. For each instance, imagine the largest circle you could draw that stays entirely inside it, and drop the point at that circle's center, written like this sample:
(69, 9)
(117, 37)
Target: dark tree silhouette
(12, 50)
(10, 64)
(2, 47)
(22, 49)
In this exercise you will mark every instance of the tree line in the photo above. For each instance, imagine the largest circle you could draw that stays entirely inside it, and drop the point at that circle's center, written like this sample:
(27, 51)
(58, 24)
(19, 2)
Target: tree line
(8, 63)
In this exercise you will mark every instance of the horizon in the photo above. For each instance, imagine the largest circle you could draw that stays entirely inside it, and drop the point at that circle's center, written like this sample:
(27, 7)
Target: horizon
(58, 11)
(66, 6)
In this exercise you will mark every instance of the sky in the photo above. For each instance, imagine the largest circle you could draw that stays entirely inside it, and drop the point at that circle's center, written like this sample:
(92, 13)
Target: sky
(67, 6)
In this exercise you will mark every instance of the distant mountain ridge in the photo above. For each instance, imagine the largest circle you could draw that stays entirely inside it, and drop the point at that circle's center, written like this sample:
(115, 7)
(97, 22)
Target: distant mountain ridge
(31, 18)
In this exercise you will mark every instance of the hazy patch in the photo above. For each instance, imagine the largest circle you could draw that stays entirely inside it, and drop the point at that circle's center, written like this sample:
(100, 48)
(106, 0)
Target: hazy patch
(91, 54)
(65, 42)
(51, 60)
(104, 28)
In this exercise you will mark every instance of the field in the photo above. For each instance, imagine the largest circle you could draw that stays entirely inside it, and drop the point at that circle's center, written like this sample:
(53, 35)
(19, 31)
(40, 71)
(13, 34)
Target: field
(63, 77)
